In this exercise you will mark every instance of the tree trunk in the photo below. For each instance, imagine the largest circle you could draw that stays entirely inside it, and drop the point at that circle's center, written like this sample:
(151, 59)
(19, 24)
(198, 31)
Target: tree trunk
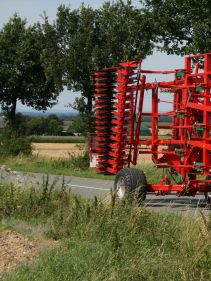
(89, 103)
(12, 113)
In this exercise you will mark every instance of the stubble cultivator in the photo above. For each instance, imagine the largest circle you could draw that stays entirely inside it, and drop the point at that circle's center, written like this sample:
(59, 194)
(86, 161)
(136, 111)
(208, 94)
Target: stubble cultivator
(118, 98)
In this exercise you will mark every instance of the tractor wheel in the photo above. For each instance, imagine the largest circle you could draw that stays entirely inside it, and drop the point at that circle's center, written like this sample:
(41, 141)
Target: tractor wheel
(130, 180)
(208, 194)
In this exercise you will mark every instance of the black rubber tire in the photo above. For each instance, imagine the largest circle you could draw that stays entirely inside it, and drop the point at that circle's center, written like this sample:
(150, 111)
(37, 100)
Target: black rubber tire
(206, 195)
(134, 181)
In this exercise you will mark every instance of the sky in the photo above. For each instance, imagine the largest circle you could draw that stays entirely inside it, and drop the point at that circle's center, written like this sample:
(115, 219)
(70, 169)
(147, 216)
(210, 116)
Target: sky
(32, 10)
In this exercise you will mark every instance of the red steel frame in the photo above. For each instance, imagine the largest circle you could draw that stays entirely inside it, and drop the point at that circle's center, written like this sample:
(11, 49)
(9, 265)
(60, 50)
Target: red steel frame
(119, 94)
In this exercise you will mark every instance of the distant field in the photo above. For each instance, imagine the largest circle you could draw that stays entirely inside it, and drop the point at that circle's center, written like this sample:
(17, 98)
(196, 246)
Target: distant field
(65, 150)
(58, 139)
(67, 122)
(57, 150)
(149, 124)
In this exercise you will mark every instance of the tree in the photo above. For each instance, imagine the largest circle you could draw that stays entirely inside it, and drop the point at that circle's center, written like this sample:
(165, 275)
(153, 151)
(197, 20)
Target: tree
(182, 26)
(36, 125)
(92, 39)
(39, 125)
(30, 70)
(124, 34)
(54, 125)
(14, 140)
(79, 125)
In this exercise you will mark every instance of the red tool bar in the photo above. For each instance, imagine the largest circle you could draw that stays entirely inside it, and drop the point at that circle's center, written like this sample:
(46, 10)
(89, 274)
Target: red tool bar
(176, 188)
(158, 71)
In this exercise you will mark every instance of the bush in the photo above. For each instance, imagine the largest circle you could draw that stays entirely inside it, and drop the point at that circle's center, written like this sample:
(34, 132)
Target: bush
(13, 144)
(73, 163)
(38, 125)
(80, 162)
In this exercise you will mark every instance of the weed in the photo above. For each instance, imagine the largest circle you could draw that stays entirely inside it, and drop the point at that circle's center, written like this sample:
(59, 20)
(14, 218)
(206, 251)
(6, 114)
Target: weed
(11, 144)
(72, 166)
(108, 240)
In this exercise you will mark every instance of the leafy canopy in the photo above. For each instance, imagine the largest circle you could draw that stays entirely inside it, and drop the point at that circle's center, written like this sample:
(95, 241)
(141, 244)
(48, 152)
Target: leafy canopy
(30, 70)
(181, 26)
(92, 39)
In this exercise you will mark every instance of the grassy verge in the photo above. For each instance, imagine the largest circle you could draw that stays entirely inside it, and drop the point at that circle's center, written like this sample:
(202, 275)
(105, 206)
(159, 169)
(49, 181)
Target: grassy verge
(57, 139)
(107, 239)
(74, 166)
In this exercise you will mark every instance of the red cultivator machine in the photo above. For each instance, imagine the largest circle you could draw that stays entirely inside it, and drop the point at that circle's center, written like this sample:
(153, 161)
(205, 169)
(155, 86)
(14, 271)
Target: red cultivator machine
(118, 106)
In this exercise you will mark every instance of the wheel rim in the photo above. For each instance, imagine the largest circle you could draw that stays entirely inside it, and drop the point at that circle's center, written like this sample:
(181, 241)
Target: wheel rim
(209, 197)
(121, 189)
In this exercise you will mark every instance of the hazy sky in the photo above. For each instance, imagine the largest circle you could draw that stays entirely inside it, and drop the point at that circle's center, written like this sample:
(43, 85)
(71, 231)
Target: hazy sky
(32, 11)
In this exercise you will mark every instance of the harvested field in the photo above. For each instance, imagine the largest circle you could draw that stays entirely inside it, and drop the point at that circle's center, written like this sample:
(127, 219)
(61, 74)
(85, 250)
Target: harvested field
(57, 150)
(144, 159)
(50, 149)
(65, 150)
(147, 158)
(164, 132)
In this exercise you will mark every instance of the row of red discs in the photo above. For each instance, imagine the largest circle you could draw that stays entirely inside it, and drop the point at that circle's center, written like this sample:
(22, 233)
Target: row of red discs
(112, 109)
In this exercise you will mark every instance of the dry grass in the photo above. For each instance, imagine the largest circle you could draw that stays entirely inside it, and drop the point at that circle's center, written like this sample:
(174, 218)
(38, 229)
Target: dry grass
(64, 150)
(17, 249)
(57, 150)
(144, 159)
(164, 132)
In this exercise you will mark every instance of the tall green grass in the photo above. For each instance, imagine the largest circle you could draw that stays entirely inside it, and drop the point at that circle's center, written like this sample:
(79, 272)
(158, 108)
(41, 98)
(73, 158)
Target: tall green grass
(73, 166)
(57, 139)
(108, 239)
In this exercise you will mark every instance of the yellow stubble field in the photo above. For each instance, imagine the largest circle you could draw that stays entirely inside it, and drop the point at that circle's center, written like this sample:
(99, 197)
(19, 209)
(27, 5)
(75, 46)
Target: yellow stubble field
(65, 150)
(57, 150)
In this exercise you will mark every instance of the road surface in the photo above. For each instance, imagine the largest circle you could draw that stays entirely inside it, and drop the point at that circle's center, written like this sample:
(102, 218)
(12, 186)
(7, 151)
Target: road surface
(88, 188)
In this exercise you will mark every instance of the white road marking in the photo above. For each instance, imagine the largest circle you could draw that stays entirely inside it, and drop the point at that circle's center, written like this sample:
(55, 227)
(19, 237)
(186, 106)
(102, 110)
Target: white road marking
(88, 187)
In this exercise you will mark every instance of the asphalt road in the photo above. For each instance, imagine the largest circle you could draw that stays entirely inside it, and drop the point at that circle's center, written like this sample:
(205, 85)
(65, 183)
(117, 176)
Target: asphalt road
(89, 188)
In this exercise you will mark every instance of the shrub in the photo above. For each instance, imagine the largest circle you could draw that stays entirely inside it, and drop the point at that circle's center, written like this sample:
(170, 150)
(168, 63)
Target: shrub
(80, 162)
(13, 144)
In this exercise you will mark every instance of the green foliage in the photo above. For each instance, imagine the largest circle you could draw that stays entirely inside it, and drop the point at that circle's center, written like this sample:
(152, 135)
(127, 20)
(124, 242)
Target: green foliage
(58, 139)
(36, 125)
(30, 68)
(182, 27)
(108, 240)
(125, 33)
(13, 144)
(14, 140)
(18, 125)
(81, 124)
(31, 203)
(50, 125)
(73, 165)
(67, 167)
(92, 39)
(80, 162)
